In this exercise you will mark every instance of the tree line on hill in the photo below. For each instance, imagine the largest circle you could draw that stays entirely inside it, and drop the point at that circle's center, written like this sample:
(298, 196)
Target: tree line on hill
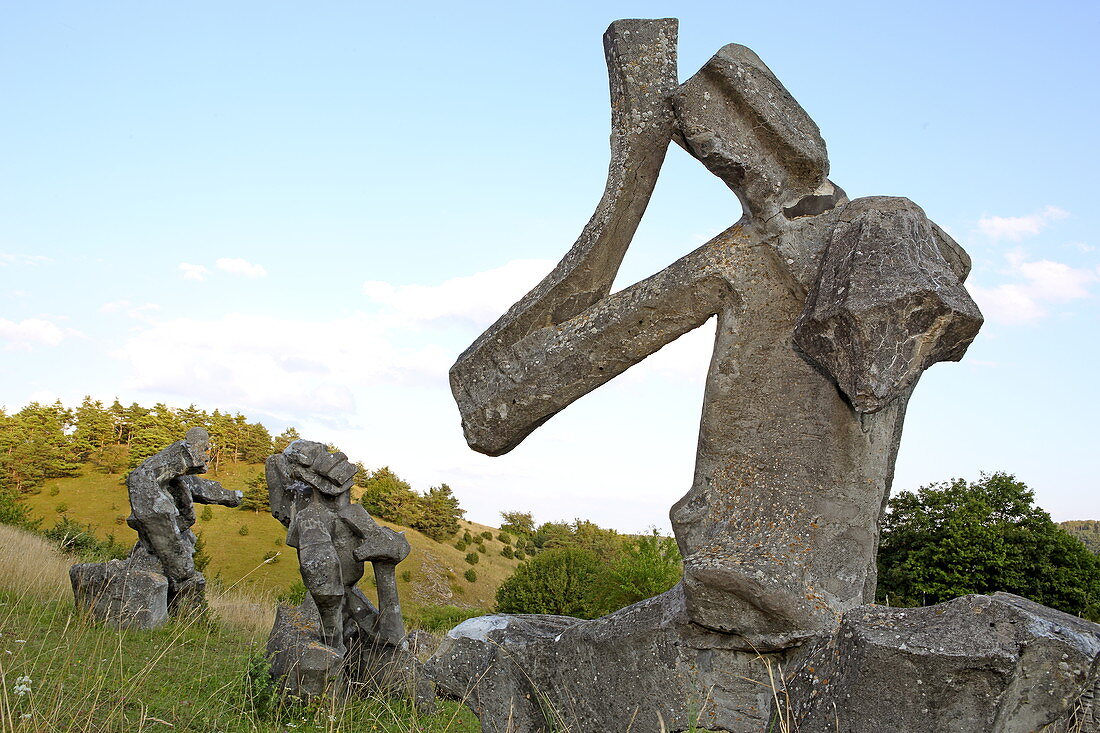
(46, 441)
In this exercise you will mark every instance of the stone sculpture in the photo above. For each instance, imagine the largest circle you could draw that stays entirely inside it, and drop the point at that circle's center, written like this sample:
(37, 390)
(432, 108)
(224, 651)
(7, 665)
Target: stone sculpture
(159, 578)
(337, 627)
(828, 311)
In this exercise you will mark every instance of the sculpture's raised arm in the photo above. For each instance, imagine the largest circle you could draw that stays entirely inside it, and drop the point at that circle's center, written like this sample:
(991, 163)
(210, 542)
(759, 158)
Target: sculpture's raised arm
(641, 62)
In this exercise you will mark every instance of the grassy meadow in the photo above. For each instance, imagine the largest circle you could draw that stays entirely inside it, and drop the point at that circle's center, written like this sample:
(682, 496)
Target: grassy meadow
(59, 672)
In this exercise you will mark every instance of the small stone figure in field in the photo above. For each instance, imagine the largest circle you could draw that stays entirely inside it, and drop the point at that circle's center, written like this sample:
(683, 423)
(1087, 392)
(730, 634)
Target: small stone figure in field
(309, 493)
(163, 492)
(159, 577)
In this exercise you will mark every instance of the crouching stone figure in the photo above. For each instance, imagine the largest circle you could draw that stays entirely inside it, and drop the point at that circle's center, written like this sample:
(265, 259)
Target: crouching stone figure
(159, 578)
(336, 630)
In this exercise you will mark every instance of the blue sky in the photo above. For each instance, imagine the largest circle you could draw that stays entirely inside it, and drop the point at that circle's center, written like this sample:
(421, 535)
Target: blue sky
(306, 213)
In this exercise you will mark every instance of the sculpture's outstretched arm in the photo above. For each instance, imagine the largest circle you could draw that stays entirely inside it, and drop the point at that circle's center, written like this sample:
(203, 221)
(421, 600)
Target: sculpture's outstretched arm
(506, 391)
(208, 491)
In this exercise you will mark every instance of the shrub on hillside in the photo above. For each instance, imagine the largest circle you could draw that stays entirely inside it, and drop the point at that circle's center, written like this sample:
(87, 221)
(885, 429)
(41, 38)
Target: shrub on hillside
(471, 576)
(558, 581)
(473, 558)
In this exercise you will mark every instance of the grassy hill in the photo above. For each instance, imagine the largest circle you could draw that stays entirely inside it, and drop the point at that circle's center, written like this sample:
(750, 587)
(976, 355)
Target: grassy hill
(238, 541)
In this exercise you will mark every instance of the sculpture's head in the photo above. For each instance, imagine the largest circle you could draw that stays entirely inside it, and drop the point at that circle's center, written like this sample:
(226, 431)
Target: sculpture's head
(311, 463)
(196, 450)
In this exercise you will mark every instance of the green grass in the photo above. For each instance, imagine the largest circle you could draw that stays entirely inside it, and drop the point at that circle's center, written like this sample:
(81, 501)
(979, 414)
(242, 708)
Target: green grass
(202, 673)
(435, 569)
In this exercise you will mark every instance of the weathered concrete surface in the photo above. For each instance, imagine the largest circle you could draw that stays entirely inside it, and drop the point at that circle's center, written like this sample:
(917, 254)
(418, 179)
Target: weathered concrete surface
(120, 595)
(889, 301)
(827, 310)
(997, 663)
(309, 493)
(163, 491)
(640, 668)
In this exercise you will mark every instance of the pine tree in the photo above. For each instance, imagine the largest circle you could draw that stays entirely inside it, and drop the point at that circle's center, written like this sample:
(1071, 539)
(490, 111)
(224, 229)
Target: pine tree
(439, 513)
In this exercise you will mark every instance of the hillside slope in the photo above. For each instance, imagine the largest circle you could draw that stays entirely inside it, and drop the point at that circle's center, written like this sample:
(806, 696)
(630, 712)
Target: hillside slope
(433, 574)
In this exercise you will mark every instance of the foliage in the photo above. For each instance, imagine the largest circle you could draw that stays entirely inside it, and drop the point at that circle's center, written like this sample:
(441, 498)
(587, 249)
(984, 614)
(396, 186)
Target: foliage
(439, 619)
(256, 497)
(386, 496)
(71, 536)
(558, 581)
(648, 565)
(508, 552)
(1088, 531)
(470, 575)
(504, 537)
(473, 558)
(950, 539)
(295, 594)
(518, 523)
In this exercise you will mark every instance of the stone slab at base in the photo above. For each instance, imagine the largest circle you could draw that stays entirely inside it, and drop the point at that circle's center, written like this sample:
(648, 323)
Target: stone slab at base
(978, 663)
(119, 595)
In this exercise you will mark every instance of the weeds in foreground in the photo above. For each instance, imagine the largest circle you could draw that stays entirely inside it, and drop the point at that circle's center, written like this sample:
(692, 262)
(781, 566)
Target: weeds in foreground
(200, 672)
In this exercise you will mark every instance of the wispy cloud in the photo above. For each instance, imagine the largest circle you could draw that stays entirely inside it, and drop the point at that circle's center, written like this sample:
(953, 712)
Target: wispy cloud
(1015, 228)
(193, 272)
(13, 258)
(1035, 286)
(477, 299)
(240, 266)
(28, 333)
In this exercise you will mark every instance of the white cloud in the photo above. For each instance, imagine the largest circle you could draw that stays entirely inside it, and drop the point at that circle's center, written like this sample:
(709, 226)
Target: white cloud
(11, 258)
(138, 312)
(476, 299)
(30, 332)
(193, 272)
(1038, 283)
(240, 266)
(1015, 228)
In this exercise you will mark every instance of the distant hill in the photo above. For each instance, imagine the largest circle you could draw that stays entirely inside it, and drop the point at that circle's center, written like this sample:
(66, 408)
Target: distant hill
(433, 574)
(1086, 530)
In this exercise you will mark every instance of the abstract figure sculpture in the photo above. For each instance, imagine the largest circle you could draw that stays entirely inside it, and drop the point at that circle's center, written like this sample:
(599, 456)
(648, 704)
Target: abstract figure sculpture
(828, 311)
(309, 493)
(163, 491)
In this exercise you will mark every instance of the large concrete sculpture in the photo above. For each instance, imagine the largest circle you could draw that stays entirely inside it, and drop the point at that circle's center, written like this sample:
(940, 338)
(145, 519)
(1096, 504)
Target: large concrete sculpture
(336, 628)
(159, 578)
(827, 309)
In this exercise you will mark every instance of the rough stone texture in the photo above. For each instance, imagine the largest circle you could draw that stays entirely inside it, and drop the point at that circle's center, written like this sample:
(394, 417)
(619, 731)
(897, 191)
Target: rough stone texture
(645, 668)
(119, 595)
(308, 490)
(995, 663)
(797, 443)
(163, 491)
(300, 662)
(889, 301)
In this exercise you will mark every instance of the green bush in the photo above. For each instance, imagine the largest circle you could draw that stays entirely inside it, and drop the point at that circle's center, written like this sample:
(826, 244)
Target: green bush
(406, 575)
(467, 537)
(439, 619)
(79, 539)
(559, 581)
(508, 552)
(473, 558)
(295, 594)
(461, 546)
(207, 514)
(243, 531)
(471, 576)
(950, 539)
(487, 535)
(504, 537)
(481, 549)
(520, 555)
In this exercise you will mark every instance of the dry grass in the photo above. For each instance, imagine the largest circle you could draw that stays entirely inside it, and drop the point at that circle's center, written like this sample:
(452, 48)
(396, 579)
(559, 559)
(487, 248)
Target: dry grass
(30, 565)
